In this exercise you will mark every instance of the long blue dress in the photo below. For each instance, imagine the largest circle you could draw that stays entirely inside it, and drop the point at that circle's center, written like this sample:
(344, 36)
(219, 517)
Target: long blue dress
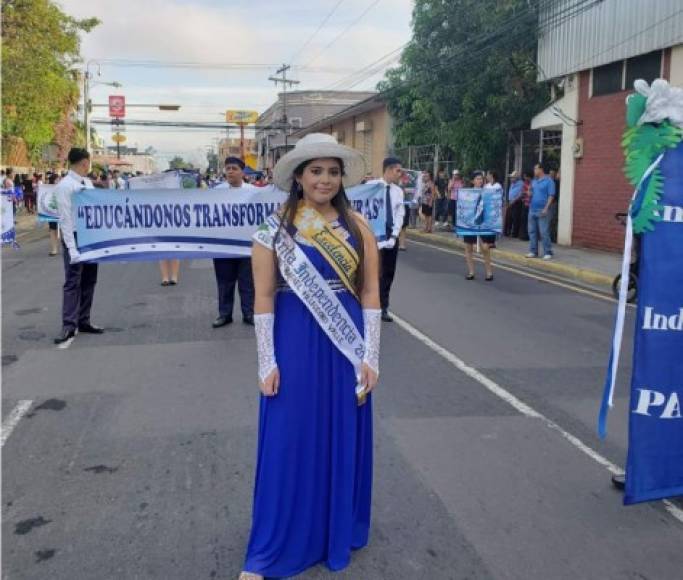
(314, 469)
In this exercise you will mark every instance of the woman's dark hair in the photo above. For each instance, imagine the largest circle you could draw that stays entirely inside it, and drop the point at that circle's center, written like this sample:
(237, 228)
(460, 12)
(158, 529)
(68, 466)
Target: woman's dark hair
(341, 203)
(430, 173)
(494, 174)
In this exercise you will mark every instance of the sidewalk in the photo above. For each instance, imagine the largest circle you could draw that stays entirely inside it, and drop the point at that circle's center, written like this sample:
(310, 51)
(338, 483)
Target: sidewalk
(588, 266)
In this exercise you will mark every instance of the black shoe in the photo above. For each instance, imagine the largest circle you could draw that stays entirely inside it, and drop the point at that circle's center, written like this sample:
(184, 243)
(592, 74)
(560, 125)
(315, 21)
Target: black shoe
(386, 317)
(165, 283)
(619, 481)
(249, 319)
(222, 321)
(172, 283)
(66, 335)
(489, 278)
(469, 277)
(90, 329)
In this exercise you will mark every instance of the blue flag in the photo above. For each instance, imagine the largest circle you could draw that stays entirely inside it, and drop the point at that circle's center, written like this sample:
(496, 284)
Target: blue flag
(654, 468)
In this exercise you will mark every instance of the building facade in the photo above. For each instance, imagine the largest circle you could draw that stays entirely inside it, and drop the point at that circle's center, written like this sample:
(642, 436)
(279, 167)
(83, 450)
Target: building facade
(130, 160)
(304, 108)
(365, 126)
(591, 61)
(231, 147)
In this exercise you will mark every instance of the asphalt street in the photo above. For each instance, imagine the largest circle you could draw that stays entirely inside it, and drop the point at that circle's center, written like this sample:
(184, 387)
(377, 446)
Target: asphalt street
(135, 459)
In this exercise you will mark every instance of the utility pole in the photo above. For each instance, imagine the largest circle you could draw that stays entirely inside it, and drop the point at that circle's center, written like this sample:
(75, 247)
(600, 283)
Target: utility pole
(285, 82)
(86, 107)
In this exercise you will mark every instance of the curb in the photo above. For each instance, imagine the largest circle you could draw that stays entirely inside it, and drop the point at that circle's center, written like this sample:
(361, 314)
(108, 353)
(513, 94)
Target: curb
(585, 275)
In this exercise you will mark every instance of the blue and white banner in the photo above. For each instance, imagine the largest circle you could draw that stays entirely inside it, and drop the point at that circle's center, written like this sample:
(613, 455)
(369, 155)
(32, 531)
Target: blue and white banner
(167, 180)
(48, 208)
(154, 224)
(654, 468)
(9, 234)
(479, 212)
(368, 200)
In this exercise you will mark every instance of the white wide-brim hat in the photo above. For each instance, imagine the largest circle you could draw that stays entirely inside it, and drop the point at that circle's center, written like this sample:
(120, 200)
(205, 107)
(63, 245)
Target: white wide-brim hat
(319, 146)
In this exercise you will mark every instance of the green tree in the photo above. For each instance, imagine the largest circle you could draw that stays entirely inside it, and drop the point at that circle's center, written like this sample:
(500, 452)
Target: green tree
(179, 163)
(466, 78)
(41, 46)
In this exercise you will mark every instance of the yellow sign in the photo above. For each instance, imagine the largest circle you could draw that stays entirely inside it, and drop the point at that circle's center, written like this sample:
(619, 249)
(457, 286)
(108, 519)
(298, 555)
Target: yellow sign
(241, 117)
(118, 138)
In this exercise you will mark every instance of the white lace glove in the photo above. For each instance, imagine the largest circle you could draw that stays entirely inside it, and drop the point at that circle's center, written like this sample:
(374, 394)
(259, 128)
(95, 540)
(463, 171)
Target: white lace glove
(265, 344)
(387, 244)
(372, 322)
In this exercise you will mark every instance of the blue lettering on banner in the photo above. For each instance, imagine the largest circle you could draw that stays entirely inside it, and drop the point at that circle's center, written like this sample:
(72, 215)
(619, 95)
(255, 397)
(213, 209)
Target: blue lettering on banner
(169, 223)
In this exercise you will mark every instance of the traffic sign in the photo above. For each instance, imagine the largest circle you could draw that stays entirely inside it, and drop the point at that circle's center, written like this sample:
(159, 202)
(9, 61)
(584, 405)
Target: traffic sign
(241, 117)
(117, 106)
(118, 138)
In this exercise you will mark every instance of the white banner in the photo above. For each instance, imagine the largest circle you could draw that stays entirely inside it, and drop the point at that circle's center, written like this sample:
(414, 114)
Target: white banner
(48, 208)
(7, 210)
(167, 180)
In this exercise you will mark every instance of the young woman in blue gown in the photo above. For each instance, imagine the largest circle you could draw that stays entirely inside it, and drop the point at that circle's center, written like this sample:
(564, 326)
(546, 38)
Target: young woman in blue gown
(314, 466)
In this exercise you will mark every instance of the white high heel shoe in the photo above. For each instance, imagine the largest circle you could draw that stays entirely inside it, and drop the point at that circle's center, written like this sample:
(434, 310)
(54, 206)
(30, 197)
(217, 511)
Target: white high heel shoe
(250, 576)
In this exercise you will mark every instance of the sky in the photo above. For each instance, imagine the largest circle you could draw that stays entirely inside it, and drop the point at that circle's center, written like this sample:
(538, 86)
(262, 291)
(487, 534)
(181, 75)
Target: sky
(138, 34)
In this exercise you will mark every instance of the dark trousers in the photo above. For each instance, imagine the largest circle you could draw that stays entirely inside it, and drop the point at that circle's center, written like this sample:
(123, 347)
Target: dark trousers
(388, 259)
(231, 271)
(524, 224)
(79, 289)
(513, 219)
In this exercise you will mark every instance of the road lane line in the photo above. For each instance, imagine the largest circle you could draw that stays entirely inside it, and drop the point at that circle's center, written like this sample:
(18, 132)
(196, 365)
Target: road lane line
(519, 405)
(531, 275)
(13, 419)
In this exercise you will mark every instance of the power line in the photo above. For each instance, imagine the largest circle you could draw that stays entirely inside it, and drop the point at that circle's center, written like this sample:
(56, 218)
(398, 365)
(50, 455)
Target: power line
(509, 30)
(285, 83)
(310, 38)
(213, 65)
(343, 32)
(390, 55)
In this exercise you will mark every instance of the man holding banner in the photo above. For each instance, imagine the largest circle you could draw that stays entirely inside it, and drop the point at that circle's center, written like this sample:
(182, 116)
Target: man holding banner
(234, 271)
(80, 278)
(395, 211)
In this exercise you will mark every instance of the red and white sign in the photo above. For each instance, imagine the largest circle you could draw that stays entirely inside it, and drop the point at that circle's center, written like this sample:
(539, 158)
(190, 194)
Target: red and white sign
(117, 106)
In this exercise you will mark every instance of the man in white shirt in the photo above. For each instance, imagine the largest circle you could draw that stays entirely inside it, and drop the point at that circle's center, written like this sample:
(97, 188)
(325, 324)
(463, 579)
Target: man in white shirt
(80, 278)
(395, 212)
(118, 181)
(234, 271)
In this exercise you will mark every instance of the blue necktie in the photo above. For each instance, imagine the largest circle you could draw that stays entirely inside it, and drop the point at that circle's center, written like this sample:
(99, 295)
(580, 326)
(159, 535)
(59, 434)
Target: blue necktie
(390, 212)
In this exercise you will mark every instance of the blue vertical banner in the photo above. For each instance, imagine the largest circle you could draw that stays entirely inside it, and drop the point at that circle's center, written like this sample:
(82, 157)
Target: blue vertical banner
(654, 467)
(653, 152)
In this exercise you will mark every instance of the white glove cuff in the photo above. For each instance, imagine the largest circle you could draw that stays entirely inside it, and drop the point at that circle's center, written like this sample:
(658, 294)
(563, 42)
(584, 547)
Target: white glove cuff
(372, 322)
(265, 344)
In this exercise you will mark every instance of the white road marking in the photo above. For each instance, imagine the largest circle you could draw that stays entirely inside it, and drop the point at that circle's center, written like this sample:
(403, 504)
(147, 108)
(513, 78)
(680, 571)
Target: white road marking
(13, 419)
(519, 405)
(531, 275)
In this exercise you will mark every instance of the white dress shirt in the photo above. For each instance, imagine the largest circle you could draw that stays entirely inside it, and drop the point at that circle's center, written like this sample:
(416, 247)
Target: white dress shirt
(226, 185)
(398, 211)
(64, 190)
